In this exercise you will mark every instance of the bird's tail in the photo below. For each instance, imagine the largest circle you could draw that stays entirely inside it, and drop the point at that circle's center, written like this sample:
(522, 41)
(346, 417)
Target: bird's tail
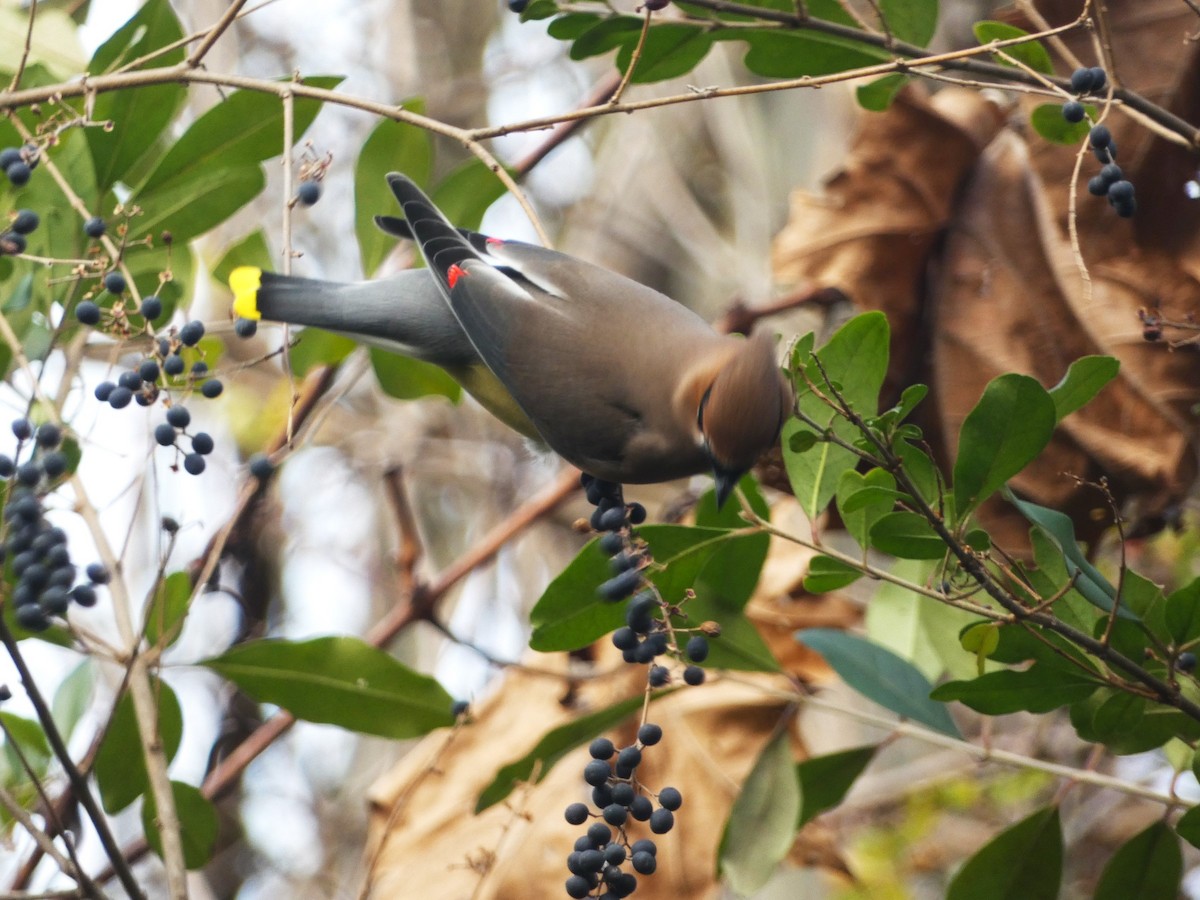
(405, 313)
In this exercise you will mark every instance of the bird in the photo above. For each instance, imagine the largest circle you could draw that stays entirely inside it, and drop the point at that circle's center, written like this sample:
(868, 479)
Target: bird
(618, 379)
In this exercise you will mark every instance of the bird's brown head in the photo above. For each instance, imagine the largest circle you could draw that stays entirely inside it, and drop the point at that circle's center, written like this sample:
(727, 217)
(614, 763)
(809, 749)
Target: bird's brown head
(742, 411)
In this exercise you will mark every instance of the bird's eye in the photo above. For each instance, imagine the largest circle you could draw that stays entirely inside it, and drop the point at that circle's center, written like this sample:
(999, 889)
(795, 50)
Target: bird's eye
(700, 409)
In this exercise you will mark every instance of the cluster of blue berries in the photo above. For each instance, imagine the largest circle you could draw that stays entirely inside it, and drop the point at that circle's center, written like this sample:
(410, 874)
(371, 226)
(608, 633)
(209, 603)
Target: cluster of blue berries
(18, 163)
(1111, 181)
(22, 224)
(89, 312)
(37, 551)
(596, 863)
(645, 635)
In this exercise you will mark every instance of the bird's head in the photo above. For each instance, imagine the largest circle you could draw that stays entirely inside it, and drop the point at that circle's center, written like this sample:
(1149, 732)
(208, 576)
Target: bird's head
(742, 411)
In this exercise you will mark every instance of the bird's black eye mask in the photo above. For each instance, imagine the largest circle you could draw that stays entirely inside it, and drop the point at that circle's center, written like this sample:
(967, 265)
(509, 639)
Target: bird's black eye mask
(700, 410)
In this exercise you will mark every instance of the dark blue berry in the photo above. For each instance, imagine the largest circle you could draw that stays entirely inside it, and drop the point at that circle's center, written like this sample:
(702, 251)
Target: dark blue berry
(202, 443)
(98, 574)
(1120, 191)
(55, 600)
(614, 854)
(49, 435)
(670, 798)
(173, 365)
(193, 463)
(1097, 186)
(164, 434)
(7, 466)
(104, 390)
(55, 464)
(31, 618)
(697, 648)
(593, 860)
(602, 748)
(179, 416)
(26, 222)
(1081, 81)
(629, 757)
(152, 307)
(84, 594)
(12, 243)
(637, 513)
(199, 368)
(1186, 662)
(576, 813)
(596, 772)
(662, 821)
(1111, 173)
(518, 6)
(612, 543)
(22, 429)
(623, 793)
(1099, 78)
(641, 808)
(8, 156)
(644, 653)
(599, 834)
(245, 328)
(650, 734)
(693, 675)
(644, 863)
(615, 814)
(95, 227)
(1126, 208)
(601, 796)
(620, 586)
(143, 399)
(612, 519)
(212, 388)
(578, 887)
(1100, 136)
(18, 173)
(149, 371)
(29, 474)
(130, 380)
(114, 283)
(309, 192)
(260, 466)
(1073, 111)
(659, 675)
(625, 638)
(191, 333)
(624, 561)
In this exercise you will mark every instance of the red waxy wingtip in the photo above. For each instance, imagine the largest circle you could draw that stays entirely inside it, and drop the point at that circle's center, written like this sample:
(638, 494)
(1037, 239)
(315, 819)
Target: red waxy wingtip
(454, 273)
(494, 240)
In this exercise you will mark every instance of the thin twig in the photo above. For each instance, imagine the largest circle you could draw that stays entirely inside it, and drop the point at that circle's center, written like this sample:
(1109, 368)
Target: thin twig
(16, 79)
(214, 33)
(634, 58)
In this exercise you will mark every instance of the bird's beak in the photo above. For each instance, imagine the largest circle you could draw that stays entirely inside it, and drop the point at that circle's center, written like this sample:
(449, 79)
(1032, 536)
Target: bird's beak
(725, 483)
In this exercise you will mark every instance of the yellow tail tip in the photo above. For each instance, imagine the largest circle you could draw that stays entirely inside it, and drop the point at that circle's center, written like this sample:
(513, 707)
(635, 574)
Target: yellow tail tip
(245, 281)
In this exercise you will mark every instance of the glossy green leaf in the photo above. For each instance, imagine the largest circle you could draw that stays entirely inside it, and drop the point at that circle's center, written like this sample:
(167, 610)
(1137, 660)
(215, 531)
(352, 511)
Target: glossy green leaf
(922, 471)
(1047, 120)
(168, 608)
(29, 739)
(762, 823)
(20, 296)
(1183, 613)
(880, 675)
(907, 535)
(913, 21)
(569, 614)
(605, 35)
(338, 681)
(317, 347)
(1031, 53)
(197, 824)
(1009, 426)
(668, 52)
(863, 500)
(1188, 826)
(466, 193)
(1149, 866)
(390, 147)
(407, 379)
(240, 132)
(1038, 689)
(730, 515)
(571, 25)
(120, 763)
(190, 207)
(1023, 862)
(1050, 577)
(554, 745)
(1061, 531)
(825, 780)
(1085, 378)
(827, 574)
(1117, 716)
(855, 358)
(72, 698)
(774, 53)
(982, 640)
(1105, 716)
(877, 95)
(252, 250)
(539, 9)
(138, 115)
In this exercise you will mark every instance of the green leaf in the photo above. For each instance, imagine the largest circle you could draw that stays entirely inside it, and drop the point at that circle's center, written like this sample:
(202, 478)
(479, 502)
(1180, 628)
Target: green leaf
(539, 9)
(390, 147)
(120, 763)
(338, 681)
(1007, 429)
(825, 780)
(1047, 120)
(466, 193)
(668, 52)
(554, 745)
(762, 823)
(1086, 377)
(31, 741)
(1037, 689)
(911, 20)
(605, 35)
(785, 54)
(1060, 530)
(1032, 53)
(865, 499)
(21, 295)
(317, 347)
(877, 95)
(165, 615)
(1188, 826)
(827, 574)
(855, 358)
(72, 698)
(730, 515)
(197, 824)
(1183, 613)
(921, 470)
(981, 639)
(252, 250)
(907, 535)
(190, 207)
(407, 379)
(139, 115)
(569, 614)
(880, 675)
(1023, 862)
(240, 132)
(570, 26)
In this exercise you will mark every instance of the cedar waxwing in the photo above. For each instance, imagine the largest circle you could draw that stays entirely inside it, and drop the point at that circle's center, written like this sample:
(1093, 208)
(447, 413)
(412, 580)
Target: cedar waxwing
(618, 379)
